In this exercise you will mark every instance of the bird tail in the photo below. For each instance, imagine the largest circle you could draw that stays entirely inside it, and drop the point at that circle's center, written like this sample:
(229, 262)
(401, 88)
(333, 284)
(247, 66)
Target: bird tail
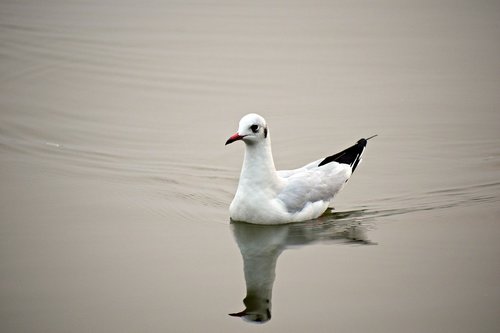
(351, 155)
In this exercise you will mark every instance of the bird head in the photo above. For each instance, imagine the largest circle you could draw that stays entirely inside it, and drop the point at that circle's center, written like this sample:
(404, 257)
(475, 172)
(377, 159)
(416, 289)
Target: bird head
(252, 129)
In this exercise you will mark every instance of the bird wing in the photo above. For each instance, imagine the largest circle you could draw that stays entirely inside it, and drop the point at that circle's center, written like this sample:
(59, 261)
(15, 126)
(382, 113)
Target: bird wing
(311, 184)
(350, 156)
(288, 173)
(319, 180)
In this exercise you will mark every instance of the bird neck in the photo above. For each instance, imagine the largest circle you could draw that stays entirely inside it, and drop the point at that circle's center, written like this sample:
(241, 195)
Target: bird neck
(258, 165)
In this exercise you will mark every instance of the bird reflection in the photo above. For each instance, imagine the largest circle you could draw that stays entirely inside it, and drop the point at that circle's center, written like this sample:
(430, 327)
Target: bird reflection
(261, 245)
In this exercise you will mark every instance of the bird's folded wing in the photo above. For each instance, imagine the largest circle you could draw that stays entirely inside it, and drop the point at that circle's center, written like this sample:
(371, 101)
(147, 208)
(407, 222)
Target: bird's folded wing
(310, 166)
(311, 184)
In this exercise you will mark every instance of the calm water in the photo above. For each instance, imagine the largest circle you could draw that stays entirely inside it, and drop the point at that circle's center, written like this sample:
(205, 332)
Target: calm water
(115, 182)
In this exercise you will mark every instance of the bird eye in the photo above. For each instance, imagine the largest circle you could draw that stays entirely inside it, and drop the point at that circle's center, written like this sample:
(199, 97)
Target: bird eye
(254, 128)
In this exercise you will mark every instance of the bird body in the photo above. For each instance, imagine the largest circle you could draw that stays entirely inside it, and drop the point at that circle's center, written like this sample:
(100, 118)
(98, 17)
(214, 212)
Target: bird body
(267, 196)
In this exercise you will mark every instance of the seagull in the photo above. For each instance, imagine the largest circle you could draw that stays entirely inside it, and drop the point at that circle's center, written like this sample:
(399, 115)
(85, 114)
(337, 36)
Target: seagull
(267, 196)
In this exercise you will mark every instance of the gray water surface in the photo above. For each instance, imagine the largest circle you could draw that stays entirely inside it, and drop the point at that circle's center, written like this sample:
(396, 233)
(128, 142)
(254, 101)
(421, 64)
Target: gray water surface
(115, 182)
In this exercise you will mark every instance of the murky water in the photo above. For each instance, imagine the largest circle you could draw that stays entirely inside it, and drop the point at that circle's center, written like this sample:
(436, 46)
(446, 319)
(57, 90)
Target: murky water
(115, 182)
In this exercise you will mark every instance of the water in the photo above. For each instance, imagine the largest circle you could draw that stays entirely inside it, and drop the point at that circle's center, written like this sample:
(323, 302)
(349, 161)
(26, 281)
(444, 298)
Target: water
(116, 182)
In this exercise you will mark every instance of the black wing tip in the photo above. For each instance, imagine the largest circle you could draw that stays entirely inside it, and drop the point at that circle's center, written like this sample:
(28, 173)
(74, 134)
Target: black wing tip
(363, 141)
(351, 155)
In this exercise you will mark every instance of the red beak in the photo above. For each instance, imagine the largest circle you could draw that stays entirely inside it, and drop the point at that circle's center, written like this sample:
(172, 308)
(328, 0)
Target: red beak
(234, 137)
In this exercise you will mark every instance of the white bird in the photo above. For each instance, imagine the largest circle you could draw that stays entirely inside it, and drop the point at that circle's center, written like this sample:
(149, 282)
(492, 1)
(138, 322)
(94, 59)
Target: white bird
(267, 196)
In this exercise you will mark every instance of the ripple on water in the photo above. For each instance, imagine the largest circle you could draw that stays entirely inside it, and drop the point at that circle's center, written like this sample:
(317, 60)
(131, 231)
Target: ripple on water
(432, 200)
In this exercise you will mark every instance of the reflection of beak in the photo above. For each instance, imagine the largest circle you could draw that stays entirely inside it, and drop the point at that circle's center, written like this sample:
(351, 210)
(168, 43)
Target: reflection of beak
(256, 317)
(233, 138)
(238, 314)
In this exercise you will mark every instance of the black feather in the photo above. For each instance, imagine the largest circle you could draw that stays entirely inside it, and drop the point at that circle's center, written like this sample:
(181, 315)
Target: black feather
(351, 155)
